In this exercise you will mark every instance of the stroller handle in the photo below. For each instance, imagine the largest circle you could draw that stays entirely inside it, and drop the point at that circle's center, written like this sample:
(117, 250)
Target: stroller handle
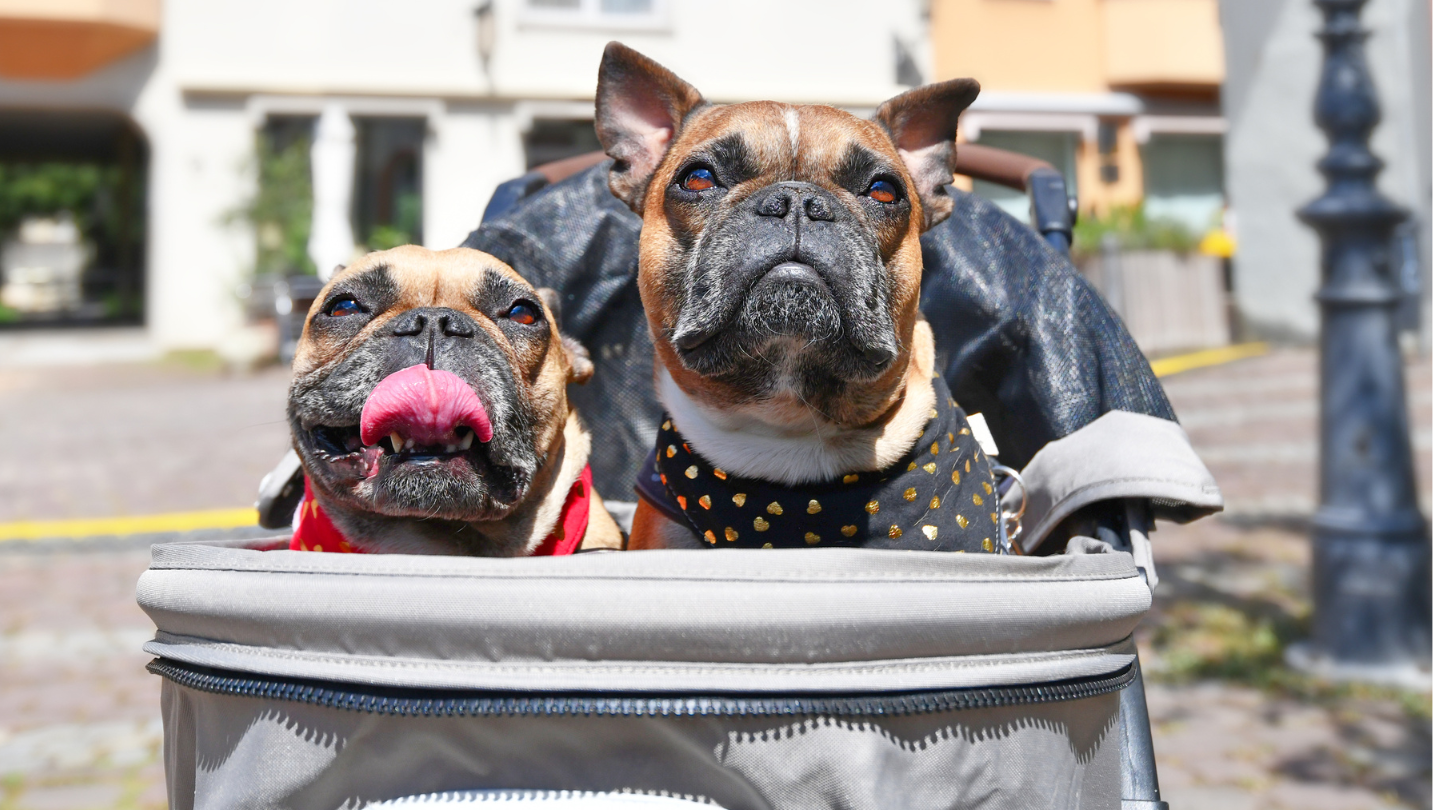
(1051, 209)
(558, 170)
(1010, 169)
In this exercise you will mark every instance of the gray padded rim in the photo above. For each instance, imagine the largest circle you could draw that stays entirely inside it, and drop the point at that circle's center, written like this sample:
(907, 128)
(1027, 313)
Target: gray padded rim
(1117, 457)
(762, 620)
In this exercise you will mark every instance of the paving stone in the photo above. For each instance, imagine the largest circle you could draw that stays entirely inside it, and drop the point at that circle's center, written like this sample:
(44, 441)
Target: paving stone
(68, 747)
(96, 796)
(153, 794)
(1316, 796)
(161, 425)
(1210, 797)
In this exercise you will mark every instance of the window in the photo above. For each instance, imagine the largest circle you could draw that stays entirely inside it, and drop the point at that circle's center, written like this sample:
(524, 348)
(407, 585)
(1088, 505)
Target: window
(389, 156)
(282, 132)
(551, 139)
(281, 209)
(1184, 180)
(1055, 148)
(907, 73)
(72, 218)
(612, 14)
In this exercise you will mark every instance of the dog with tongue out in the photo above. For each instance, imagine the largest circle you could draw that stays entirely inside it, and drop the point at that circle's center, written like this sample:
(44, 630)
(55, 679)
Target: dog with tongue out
(429, 411)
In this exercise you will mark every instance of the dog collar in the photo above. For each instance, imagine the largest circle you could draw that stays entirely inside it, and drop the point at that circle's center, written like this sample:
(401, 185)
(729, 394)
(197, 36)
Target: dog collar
(939, 497)
(315, 531)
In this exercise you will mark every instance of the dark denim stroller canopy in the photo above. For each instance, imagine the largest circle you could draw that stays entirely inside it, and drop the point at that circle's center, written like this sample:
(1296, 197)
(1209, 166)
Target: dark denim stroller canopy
(1019, 335)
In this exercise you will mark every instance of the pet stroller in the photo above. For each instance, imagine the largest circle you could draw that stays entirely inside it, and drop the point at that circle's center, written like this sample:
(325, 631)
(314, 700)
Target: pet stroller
(824, 678)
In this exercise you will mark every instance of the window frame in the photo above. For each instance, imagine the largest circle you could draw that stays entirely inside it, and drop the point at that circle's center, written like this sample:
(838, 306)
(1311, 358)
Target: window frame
(589, 16)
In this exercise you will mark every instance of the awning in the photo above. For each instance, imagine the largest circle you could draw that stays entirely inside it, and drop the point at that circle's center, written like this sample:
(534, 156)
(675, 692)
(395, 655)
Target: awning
(67, 39)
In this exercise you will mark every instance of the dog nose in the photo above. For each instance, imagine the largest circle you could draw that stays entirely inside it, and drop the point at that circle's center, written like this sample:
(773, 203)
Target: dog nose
(449, 323)
(409, 323)
(774, 204)
(778, 200)
(456, 326)
(880, 356)
(817, 208)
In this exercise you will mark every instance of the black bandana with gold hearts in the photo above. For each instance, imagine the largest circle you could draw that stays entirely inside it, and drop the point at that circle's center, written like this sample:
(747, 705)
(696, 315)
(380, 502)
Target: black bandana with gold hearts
(939, 497)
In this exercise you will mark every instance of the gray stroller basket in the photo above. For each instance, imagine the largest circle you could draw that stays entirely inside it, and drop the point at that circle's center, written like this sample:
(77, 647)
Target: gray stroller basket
(745, 679)
(818, 678)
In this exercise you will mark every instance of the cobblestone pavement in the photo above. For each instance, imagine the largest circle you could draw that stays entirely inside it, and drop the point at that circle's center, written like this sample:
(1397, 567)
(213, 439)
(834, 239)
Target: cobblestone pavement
(79, 715)
(137, 439)
(1235, 730)
(79, 725)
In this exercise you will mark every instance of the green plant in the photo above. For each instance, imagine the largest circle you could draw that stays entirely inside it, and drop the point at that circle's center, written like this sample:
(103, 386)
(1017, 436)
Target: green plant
(106, 202)
(1212, 640)
(384, 237)
(116, 305)
(1134, 230)
(1245, 643)
(46, 189)
(404, 230)
(90, 192)
(202, 360)
(279, 212)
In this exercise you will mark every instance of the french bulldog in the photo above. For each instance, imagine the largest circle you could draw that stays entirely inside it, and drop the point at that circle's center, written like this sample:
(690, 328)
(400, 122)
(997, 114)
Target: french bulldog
(780, 273)
(429, 411)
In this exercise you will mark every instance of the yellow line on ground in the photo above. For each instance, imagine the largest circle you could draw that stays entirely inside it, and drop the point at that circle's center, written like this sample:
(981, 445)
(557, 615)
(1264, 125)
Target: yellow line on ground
(1166, 366)
(139, 524)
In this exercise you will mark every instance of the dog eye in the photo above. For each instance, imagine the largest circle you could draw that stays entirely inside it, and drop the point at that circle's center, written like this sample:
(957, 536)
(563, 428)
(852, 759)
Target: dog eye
(341, 307)
(523, 313)
(883, 191)
(698, 179)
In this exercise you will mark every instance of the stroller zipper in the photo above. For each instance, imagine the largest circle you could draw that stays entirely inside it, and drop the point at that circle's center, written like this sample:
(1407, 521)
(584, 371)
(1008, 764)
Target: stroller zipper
(458, 703)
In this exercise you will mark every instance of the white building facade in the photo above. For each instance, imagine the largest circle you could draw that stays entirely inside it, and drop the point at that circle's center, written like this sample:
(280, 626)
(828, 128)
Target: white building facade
(479, 88)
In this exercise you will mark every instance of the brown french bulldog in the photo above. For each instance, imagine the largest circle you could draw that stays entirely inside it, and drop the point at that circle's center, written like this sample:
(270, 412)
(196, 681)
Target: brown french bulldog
(429, 412)
(780, 273)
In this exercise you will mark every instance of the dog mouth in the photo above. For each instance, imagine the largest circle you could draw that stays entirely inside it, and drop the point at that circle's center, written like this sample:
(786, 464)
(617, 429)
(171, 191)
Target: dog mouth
(344, 443)
(791, 302)
(765, 303)
(418, 422)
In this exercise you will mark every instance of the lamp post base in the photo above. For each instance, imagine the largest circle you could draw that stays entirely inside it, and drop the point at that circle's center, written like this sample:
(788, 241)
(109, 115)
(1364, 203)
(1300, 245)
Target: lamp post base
(1371, 581)
(1303, 657)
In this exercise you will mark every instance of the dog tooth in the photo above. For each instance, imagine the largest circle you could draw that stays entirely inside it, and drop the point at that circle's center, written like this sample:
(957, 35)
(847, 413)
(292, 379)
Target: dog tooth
(396, 443)
(449, 448)
(409, 443)
(465, 442)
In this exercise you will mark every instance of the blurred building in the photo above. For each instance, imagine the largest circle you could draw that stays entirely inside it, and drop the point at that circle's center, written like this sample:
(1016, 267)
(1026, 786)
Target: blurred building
(1191, 107)
(1123, 96)
(1273, 63)
(402, 117)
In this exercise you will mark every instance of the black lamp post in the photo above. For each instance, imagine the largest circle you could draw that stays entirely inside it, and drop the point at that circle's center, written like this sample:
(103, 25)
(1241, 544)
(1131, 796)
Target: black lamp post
(1371, 544)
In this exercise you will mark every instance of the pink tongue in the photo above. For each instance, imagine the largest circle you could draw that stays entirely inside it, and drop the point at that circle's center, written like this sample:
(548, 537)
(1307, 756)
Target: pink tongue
(423, 405)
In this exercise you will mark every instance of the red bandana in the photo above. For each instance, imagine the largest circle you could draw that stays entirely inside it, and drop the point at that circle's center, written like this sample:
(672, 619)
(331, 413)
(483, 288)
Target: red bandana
(314, 531)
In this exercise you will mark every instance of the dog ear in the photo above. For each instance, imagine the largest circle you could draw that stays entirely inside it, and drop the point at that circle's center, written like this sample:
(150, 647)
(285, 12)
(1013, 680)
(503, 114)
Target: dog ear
(581, 368)
(922, 123)
(638, 109)
(551, 299)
